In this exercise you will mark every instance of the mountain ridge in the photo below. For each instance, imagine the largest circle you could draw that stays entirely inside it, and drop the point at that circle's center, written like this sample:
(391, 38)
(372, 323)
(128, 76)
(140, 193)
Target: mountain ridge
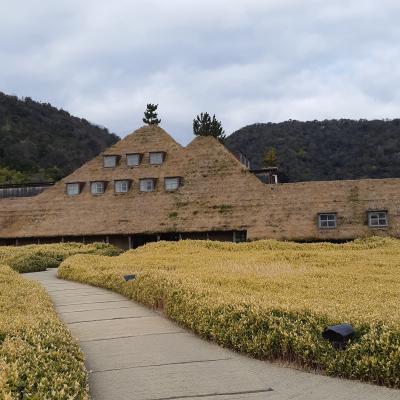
(39, 142)
(334, 149)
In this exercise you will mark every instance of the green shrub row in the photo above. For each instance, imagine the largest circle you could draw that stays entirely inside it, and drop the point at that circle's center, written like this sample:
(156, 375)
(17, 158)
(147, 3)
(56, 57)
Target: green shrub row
(35, 258)
(39, 359)
(250, 327)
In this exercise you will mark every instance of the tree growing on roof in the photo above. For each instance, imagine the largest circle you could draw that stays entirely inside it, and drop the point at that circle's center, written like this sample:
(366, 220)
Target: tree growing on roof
(204, 125)
(150, 115)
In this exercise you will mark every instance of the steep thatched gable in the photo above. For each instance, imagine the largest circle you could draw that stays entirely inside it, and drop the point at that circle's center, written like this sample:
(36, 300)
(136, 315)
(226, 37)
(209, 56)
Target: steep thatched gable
(215, 193)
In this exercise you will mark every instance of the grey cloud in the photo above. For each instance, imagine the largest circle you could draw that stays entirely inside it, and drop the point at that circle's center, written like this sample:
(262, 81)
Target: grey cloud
(246, 61)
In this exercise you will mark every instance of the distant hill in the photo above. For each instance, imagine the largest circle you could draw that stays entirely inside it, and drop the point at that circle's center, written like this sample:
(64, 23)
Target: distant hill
(39, 142)
(324, 150)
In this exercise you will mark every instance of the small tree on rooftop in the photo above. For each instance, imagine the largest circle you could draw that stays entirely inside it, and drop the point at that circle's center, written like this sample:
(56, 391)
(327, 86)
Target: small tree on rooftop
(150, 115)
(270, 159)
(204, 125)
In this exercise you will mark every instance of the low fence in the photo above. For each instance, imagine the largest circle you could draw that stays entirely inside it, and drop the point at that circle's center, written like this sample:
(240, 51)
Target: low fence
(25, 190)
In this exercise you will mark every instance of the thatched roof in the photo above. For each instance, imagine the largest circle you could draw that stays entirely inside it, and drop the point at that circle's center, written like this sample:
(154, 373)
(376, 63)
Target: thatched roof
(218, 193)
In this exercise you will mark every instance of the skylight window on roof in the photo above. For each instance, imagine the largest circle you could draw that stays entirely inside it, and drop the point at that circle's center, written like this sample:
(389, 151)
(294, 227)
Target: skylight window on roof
(156, 158)
(121, 186)
(147, 185)
(109, 161)
(171, 184)
(73, 189)
(97, 187)
(133, 160)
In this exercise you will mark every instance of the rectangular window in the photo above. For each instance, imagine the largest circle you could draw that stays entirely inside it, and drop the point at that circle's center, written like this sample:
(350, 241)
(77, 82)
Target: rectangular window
(73, 189)
(97, 187)
(133, 160)
(147, 185)
(171, 183)
(377, 219)
(327, 221)
(109, 161)
(156, 158)
(121, 186)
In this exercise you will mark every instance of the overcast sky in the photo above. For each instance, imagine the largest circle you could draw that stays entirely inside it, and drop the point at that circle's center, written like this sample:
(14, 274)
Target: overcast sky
(244, 60)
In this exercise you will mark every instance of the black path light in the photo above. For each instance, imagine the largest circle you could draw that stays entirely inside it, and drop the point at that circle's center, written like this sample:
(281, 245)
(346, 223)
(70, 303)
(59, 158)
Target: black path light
(339, 335)
(129, 277)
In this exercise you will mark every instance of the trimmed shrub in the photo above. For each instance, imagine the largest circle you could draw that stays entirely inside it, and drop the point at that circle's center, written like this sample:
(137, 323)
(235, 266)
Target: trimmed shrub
(34, 258)
(270, 299)
(38, 357)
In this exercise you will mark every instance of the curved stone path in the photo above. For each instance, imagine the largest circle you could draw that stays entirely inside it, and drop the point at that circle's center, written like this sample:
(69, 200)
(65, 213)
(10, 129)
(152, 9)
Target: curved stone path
(135, 353)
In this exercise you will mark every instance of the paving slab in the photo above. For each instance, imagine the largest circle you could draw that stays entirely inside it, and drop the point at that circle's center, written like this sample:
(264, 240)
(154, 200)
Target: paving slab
(176, 380)
(134, 326)
(85, 298)
(148, 350)
(71, 291)
(105, 314)
(93, 306)
(135, 353)
(238, 396)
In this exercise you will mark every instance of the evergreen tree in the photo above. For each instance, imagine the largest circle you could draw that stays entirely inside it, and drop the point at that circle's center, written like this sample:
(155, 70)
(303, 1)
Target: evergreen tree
(150, 115)
(204, 125)
(270, 159)
(8, 176)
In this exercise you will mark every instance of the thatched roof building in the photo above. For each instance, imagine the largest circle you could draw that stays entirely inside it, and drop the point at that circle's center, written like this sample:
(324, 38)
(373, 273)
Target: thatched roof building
(148, 187)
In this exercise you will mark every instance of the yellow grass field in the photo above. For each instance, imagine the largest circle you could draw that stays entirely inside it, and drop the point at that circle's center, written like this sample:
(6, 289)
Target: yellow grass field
(271, 299)
(39, 359)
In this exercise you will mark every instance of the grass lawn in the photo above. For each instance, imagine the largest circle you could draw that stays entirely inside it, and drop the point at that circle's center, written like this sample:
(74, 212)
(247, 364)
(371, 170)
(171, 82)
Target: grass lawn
(271, 299)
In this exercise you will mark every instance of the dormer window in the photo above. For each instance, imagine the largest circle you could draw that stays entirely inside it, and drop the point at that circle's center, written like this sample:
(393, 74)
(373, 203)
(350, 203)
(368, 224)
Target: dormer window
(97, 187)
(122, 186)
(147, 185)
(73, 189)
(172, 184)
(110, 161)
(156, 158)
(133, 160)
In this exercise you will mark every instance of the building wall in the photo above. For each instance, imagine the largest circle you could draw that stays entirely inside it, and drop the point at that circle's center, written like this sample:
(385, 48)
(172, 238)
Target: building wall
(218, 196)
(291, 211)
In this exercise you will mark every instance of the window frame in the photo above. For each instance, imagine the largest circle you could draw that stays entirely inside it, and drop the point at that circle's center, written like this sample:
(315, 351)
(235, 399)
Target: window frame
(93, 184)
(152, 153)
(139, 155)
(325, 223)
(376, 213)
(109, 156)
(117, 181)
(153, 180)
(69, 184)
(178, 179)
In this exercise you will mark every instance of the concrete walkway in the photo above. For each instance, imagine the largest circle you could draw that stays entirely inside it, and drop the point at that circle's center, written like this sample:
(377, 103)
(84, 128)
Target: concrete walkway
(135, 353)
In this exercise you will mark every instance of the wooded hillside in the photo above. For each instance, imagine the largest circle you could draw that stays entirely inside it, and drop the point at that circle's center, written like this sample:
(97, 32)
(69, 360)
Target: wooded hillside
(324, 150)
(39, 142)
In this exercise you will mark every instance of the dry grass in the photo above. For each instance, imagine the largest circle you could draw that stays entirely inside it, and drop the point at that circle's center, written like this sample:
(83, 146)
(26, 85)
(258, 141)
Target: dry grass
(271, 299)
(38, 357)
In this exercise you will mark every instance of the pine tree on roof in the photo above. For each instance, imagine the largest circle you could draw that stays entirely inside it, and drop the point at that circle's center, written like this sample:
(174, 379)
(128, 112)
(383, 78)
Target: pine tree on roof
(204, 125)
(150, 115)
